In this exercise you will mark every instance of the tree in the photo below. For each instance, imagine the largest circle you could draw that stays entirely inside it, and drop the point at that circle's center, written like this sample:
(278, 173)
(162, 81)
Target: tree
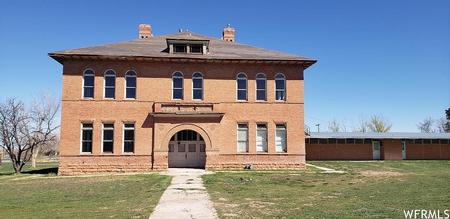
(362, 126)
(334, 126)
(23, 131)
(378, 124)
(447, 124)
(426, 125)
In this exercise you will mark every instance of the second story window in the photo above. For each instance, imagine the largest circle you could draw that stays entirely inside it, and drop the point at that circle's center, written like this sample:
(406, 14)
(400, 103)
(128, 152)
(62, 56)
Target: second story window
(261, 86)
(88, 84)
(177, 86)
(130, 89)
(241, 86)
(280, 87)
(110, 84)
(197, 86)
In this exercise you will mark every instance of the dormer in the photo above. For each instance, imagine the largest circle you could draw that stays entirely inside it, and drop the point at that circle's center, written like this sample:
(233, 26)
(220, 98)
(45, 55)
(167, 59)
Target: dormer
(188, 46)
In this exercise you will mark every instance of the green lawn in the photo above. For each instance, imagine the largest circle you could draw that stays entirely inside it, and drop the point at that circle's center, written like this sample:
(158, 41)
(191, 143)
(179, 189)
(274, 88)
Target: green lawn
(367, 190)
(38, 193)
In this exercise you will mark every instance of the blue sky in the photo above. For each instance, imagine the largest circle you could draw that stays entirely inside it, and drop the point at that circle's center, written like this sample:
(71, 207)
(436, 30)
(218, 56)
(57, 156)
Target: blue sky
(390, 58)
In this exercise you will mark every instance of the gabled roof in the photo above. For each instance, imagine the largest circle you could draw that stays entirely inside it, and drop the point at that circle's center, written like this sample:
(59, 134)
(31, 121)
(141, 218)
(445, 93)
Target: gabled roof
(377, 135)
(156, 47)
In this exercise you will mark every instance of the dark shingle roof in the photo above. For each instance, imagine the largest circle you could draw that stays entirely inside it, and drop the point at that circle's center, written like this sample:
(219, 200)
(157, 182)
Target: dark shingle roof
(156, 47)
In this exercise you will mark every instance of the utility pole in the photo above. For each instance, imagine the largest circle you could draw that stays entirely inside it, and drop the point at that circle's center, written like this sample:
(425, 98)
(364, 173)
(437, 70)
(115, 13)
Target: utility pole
(318, 127)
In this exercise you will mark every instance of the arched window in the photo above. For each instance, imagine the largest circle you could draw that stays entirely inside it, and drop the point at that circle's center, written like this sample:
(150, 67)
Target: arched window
(177, 86)
(88, 84)
(241, 86)
(261, 86)
(280, 87)
(130, 84)
(197, 86)
(110, 84)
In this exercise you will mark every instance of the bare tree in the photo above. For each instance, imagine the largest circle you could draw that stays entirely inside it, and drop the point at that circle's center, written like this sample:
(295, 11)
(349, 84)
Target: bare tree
(362, 126)
(426, 125)
(23, 131)
(378, 124)
(334, 126)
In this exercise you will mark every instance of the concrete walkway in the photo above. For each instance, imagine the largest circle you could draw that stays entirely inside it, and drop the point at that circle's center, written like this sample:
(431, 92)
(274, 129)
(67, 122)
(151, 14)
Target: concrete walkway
(325, 169)
(186, 197)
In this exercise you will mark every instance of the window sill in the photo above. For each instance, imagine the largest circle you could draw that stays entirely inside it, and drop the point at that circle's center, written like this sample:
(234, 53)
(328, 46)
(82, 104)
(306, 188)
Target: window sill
(86, 153)
(107, 153)
(129, 99)
(87, 98)
(128, 153)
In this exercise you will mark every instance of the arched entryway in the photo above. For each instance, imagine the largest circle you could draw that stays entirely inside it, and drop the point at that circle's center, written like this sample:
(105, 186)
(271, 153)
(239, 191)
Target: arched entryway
(187, 150)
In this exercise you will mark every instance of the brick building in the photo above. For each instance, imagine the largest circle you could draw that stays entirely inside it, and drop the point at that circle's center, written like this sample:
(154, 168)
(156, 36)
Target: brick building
(180, 100)
(377, 146)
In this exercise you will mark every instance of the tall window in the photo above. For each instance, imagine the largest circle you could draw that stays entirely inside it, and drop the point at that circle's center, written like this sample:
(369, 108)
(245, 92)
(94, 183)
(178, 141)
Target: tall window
(88, 84)
(110, 84)
(260, 86)
(280, 87)
(261, 138)
(242, 138)
(280, 138)
(86, 138)
(177, 86)
(108, 138)
(130, 88)
(197, 86)
(128, 138)
(241, 85)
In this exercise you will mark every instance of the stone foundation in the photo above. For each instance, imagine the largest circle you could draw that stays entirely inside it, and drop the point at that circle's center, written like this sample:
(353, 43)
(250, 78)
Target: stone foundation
(78, 165)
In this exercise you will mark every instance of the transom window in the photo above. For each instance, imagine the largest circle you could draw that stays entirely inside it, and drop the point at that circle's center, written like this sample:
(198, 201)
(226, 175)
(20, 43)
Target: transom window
(130, 87)
(86, 138)
(128, 138)
(197, 86)
(108, 138)
(242, 138)
(261, 86)
(88, 84)
(280, 138)
(261, 138)
(280, 87)
(177, 86)
(110, 84)
(241, 86)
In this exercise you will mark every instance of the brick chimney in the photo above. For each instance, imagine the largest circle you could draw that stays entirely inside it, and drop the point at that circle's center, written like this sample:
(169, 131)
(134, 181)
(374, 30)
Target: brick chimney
(145, 31)
(228, 33)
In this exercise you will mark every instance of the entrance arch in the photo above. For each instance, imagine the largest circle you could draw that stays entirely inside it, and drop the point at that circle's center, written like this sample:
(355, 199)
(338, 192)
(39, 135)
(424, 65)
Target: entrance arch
(187, 149)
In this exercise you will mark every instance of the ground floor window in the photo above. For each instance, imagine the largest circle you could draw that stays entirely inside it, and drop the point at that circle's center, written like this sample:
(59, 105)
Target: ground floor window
(108, 138)
(86, 138)
(128, 138)
(280, 138)
(261, 138)
(242, 138)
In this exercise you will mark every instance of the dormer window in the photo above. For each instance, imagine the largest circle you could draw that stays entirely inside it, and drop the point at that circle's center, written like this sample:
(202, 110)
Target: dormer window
(179, 48)
(188, 46)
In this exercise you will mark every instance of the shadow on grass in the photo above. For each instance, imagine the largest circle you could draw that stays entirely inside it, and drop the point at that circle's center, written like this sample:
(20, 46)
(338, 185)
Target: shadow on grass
(43, 171)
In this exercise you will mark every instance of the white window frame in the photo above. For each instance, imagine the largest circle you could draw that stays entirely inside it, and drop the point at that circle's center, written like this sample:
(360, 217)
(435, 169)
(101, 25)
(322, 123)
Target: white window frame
(276, 89)
(134, 137)
(285, 138)
(246, 86)
(267, 133)
(237, 138)
(202, 88)
(83, 86)
(256, 86)
(126, 84)
(82, 128)
(104, 84)
(182, 84)
(103, 140)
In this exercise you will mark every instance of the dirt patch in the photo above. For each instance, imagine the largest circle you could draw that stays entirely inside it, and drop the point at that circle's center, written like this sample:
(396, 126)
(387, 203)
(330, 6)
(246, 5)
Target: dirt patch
(374, 173)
